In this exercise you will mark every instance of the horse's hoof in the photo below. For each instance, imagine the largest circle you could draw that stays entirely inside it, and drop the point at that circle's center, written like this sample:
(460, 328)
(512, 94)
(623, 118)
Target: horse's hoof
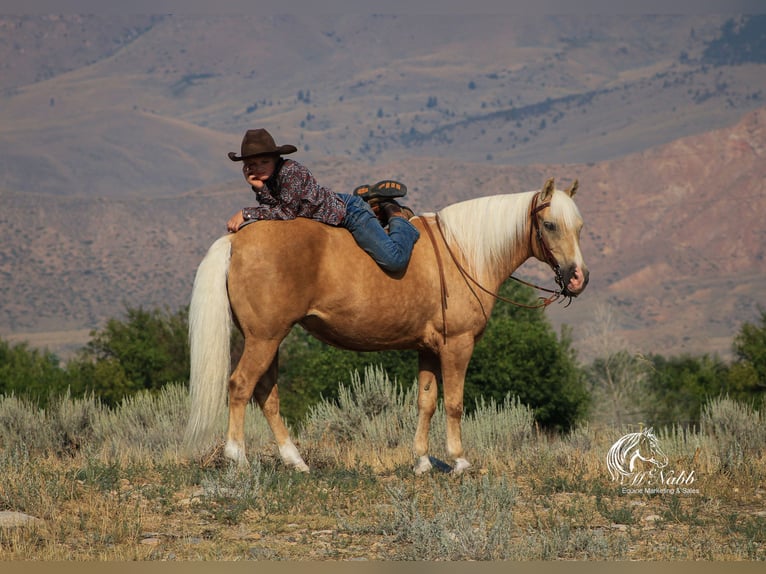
(460, 465)
(291, 457)
(235, 453)
(422, 466)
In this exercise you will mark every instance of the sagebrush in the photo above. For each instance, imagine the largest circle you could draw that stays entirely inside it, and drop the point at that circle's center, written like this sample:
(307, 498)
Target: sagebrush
(112, 483)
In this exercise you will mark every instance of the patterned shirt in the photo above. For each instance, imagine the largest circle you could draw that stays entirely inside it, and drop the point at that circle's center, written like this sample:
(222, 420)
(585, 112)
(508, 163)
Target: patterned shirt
(293, 192)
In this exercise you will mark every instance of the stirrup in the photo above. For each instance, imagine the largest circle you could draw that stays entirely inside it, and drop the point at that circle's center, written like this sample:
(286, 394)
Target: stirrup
(384, 189)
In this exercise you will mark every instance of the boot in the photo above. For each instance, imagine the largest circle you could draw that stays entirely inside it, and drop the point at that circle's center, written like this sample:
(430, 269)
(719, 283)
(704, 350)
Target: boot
(389, 209)
(388, 188)
(407, 212)
(385, 189)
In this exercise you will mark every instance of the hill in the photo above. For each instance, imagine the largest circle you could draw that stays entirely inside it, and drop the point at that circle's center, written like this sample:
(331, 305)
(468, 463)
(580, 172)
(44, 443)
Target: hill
(673, 239)
(149, 105)
(113, 177)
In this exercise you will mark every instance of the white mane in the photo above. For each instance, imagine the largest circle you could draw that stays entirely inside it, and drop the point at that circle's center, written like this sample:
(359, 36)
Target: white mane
(487, 228)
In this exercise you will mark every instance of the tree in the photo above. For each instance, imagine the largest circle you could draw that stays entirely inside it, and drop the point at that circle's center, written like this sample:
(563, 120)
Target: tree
(618, 382)
(30, 372)
(520, 354)
(679, 387)
(747, 375)
(143, 352)
(616, 377)
(741, 41)
(105, 379)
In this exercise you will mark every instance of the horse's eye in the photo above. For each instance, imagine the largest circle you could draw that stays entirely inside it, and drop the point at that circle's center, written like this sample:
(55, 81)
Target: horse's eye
(549, 226)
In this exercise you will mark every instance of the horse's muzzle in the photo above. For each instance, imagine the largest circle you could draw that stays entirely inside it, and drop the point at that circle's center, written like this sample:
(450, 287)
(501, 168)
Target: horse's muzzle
(574, 279)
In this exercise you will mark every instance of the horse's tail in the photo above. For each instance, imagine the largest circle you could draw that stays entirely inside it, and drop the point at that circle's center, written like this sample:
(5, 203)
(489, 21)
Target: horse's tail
(209, 342)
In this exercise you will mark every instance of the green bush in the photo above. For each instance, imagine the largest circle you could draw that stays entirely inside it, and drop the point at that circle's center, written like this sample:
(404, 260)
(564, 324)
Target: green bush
(747, 376)
(145, 351)
(679, 387)
(30, 372)
(521, 355)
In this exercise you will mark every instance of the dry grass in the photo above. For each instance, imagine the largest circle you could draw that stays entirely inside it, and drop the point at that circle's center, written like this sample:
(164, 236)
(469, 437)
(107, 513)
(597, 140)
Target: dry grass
(125, 494)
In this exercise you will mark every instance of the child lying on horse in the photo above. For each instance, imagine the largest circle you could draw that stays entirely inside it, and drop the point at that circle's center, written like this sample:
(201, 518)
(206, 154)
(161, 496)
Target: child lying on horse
(285, 189)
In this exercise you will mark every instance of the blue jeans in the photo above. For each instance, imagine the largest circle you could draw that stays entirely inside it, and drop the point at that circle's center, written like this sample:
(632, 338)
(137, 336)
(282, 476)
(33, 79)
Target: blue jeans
(390, 250)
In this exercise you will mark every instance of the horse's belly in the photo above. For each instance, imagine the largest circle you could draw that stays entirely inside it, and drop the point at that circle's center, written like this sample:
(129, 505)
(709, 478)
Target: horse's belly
(363, 333)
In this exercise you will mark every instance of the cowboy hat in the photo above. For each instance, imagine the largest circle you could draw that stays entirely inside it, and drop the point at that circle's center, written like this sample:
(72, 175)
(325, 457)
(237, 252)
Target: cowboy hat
(259, 142)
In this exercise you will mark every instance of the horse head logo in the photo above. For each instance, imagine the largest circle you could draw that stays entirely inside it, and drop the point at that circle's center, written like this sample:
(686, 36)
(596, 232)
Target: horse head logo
(635, 452)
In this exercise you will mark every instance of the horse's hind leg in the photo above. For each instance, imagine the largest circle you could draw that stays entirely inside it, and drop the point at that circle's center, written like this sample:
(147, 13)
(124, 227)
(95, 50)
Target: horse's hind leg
(427, 395)
(256, 374)
(267, 396)
(254, 363)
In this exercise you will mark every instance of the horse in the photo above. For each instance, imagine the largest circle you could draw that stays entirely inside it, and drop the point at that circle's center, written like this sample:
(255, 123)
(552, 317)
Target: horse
(272, 275)
(632, 450)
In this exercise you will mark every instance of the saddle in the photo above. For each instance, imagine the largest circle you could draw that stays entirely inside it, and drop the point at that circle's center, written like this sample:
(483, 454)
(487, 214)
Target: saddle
(381, 197)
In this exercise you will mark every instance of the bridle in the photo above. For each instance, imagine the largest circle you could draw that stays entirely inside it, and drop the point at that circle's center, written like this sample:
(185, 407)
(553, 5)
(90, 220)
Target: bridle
(548, 256)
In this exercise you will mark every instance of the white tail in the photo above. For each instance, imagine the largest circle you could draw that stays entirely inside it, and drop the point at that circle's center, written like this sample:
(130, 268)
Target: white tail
(209, 343)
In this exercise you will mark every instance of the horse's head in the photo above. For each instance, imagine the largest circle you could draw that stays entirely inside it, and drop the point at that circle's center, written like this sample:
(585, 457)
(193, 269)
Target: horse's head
(556, 223)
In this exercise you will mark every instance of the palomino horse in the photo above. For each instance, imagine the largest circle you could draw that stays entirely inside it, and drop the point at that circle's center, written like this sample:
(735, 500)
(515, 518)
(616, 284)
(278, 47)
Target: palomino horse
(285, 272)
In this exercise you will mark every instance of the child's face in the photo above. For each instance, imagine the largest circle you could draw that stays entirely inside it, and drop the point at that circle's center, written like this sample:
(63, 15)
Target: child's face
(259, 168)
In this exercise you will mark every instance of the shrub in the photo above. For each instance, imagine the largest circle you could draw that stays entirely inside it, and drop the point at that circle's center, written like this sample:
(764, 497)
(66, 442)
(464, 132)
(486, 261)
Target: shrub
(478, 526)
(739, 430)
(371, 409)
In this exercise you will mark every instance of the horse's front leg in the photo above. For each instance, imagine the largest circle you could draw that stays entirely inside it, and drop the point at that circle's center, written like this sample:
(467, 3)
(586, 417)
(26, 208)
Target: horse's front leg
(428, 373)
(454, 363)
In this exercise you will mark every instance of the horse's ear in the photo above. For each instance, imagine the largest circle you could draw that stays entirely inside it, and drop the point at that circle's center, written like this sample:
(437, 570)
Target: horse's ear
(573, 188)
(547, 191)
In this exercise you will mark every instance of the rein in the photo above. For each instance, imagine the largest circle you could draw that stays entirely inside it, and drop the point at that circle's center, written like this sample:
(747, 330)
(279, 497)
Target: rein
(550, 258)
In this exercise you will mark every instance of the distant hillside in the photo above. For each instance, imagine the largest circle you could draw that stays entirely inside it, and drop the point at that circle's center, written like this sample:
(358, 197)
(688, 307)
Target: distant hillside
(673, 238)
(149, 105)
(114, 132)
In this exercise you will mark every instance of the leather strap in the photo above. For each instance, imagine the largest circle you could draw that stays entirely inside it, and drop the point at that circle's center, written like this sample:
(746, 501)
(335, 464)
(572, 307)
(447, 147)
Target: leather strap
(442, 282)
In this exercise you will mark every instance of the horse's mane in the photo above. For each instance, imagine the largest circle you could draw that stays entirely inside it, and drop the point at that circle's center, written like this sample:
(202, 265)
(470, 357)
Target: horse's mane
(486, 228)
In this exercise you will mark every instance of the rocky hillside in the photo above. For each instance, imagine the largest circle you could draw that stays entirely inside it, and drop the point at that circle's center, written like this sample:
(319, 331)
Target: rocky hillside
(673, 238)
(113, 176)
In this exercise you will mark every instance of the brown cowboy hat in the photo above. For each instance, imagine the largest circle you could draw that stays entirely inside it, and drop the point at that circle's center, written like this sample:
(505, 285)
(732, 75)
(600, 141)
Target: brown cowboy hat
(259, 142)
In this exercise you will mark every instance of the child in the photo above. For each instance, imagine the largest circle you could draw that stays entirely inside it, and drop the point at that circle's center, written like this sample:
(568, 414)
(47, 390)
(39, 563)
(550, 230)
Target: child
(285, 189)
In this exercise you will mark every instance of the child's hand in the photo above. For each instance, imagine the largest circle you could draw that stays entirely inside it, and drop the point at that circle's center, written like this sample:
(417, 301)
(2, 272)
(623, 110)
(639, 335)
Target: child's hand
(254, 181)
(236, 220)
